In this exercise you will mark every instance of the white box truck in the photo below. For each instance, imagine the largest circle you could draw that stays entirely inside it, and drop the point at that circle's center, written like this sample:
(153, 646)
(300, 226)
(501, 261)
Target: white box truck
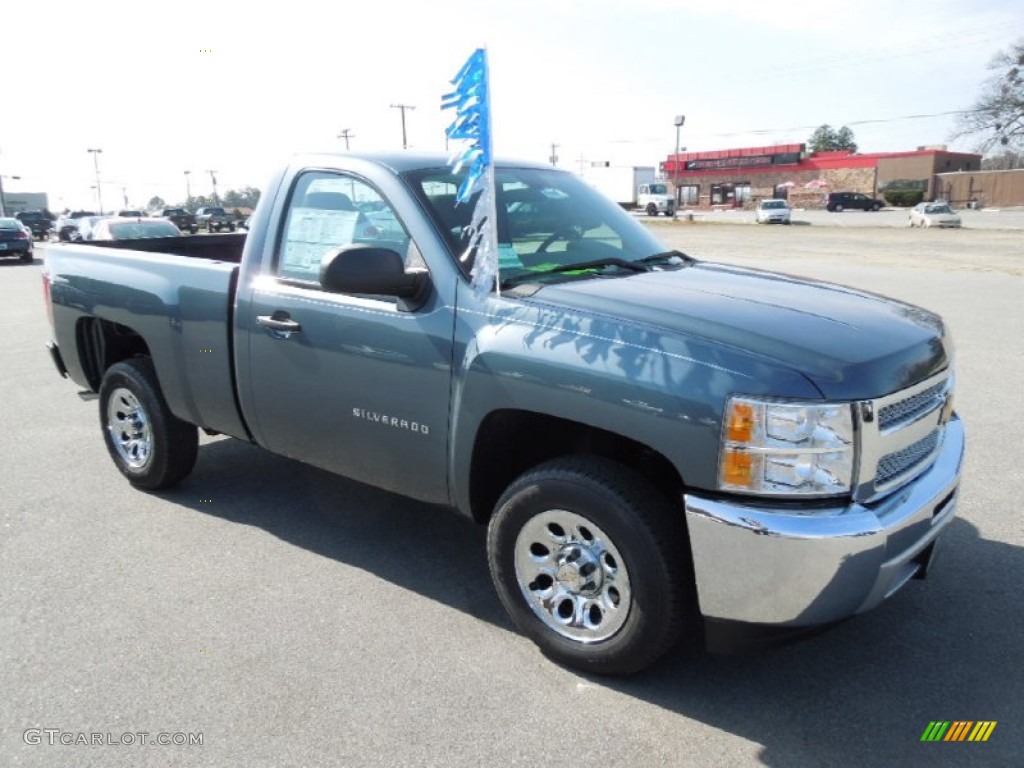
(631, 186)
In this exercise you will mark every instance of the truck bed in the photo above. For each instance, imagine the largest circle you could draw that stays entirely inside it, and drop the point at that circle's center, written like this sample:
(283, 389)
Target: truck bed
(175, 295)
(226, 248)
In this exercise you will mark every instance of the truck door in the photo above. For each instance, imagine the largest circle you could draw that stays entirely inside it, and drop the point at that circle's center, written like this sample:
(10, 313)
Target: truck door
(358, 387)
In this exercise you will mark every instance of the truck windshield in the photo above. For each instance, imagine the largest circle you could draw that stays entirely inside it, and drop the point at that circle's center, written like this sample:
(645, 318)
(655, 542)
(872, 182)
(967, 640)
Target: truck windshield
(546, 218)
(659, 189)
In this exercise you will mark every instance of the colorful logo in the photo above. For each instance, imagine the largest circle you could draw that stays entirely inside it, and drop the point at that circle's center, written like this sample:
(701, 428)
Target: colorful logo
(958, 730)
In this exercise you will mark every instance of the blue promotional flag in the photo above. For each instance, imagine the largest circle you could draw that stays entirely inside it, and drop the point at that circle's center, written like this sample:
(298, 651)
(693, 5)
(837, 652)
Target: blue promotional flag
(472, 124)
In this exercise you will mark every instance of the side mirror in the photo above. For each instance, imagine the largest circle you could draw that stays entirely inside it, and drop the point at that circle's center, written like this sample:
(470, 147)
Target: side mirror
(367, 269)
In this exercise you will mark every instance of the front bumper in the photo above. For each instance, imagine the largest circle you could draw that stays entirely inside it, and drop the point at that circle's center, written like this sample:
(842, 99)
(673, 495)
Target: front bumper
(792, 569)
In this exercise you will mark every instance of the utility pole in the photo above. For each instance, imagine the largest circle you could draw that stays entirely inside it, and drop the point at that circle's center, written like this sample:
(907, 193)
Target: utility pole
(346, 134)
(124, 192)
(213, 179)
(582, 162)
(96, 165)
(403, 107)
(188, 190)
(554, 155)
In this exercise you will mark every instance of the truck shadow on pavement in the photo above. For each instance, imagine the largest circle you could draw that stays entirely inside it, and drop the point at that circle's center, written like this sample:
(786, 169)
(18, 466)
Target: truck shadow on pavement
(860, 694)
(427, 549)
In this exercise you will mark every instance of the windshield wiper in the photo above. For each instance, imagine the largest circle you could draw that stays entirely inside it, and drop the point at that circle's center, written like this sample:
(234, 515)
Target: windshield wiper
(668, 257)
(582, 266)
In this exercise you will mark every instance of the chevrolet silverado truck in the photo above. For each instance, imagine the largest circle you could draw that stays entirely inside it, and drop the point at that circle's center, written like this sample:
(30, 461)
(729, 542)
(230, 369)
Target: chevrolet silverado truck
(662, 448)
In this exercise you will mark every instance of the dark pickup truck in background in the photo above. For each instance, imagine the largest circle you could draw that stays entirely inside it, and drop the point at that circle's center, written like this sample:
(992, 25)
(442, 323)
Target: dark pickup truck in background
(661, 447)
(40, 222)
(181, 218)
(215, 219)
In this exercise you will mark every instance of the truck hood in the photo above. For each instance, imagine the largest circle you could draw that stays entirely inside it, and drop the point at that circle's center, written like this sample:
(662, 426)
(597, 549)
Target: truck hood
(851, 344)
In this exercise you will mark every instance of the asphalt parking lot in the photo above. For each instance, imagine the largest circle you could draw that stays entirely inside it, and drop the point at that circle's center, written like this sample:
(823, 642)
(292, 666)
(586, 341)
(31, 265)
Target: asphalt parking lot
(985, 218)
(294, 618)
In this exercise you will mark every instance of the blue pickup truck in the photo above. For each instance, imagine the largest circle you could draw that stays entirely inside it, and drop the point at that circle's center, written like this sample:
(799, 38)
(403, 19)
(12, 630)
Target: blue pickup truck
(663, 449)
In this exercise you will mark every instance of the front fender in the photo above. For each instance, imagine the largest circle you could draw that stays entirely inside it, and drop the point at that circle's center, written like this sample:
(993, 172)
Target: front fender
(655, 387)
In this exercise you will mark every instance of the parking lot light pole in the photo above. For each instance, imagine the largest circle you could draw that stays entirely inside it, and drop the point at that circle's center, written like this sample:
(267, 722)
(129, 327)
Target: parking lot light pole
(213, 180)
(188, 190)
(3, 200)
(96, 165)
(680, 119)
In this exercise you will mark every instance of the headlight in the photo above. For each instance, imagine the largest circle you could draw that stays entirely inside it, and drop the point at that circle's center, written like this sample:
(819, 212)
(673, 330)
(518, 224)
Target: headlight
(784, 449)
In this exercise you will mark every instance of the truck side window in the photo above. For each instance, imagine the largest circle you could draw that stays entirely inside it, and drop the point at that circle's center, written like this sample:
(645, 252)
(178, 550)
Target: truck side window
(329, 210)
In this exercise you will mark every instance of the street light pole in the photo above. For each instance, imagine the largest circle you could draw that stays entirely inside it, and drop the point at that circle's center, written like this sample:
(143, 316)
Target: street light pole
(213, 179)
(3, 200)
(680, 119)
(346, 134)
(188, 190)
(96, 165)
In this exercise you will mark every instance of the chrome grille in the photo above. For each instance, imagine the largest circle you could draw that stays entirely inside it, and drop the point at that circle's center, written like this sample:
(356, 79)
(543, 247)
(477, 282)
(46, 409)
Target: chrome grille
(899, 462)
(900, 436)
(912, 407)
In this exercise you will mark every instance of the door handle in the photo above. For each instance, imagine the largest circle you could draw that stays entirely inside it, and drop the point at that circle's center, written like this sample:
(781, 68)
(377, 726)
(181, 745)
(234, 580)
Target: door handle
(279, 323)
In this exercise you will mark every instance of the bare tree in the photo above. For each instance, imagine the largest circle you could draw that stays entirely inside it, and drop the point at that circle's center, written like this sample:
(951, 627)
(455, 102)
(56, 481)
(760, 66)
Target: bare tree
(997, 116)
(1004, 161)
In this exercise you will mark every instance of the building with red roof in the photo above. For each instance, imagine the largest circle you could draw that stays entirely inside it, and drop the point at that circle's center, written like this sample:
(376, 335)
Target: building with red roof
(740, 177)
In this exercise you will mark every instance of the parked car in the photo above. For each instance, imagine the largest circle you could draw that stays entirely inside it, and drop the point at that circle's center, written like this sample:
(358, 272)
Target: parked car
(214, 219)
(130, 214)
(181, 218)
(67, 223)
(840, 201)
(39, 222)
(773, 211)
(84, 229)
(934, 215)
(133, 229)
(15, 239)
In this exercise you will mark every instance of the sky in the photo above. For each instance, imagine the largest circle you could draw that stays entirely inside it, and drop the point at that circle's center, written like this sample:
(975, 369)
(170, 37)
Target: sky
(239, 87)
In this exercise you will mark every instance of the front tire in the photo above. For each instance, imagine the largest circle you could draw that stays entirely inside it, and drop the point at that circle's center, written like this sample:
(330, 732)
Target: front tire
(592, 564)
(652, 209)
(150, 446)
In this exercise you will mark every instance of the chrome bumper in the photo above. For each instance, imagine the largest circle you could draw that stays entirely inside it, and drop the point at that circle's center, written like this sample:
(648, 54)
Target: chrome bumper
(791, 568)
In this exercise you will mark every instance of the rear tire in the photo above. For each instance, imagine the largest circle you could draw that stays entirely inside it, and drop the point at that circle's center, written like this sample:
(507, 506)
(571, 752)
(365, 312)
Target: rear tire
(837, 208)
(150, 446)
(27, 258)
(592, 564)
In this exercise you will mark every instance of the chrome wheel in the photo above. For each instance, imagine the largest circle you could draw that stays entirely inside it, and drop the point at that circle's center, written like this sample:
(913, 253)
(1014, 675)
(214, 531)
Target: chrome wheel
(129, 427)
(572, 576)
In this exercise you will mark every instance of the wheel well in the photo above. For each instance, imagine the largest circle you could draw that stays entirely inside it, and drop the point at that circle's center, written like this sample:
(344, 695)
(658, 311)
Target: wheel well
(509, 442)
(101, 343)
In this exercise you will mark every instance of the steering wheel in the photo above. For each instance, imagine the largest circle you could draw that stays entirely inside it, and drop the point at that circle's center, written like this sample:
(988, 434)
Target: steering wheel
(567, 233)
